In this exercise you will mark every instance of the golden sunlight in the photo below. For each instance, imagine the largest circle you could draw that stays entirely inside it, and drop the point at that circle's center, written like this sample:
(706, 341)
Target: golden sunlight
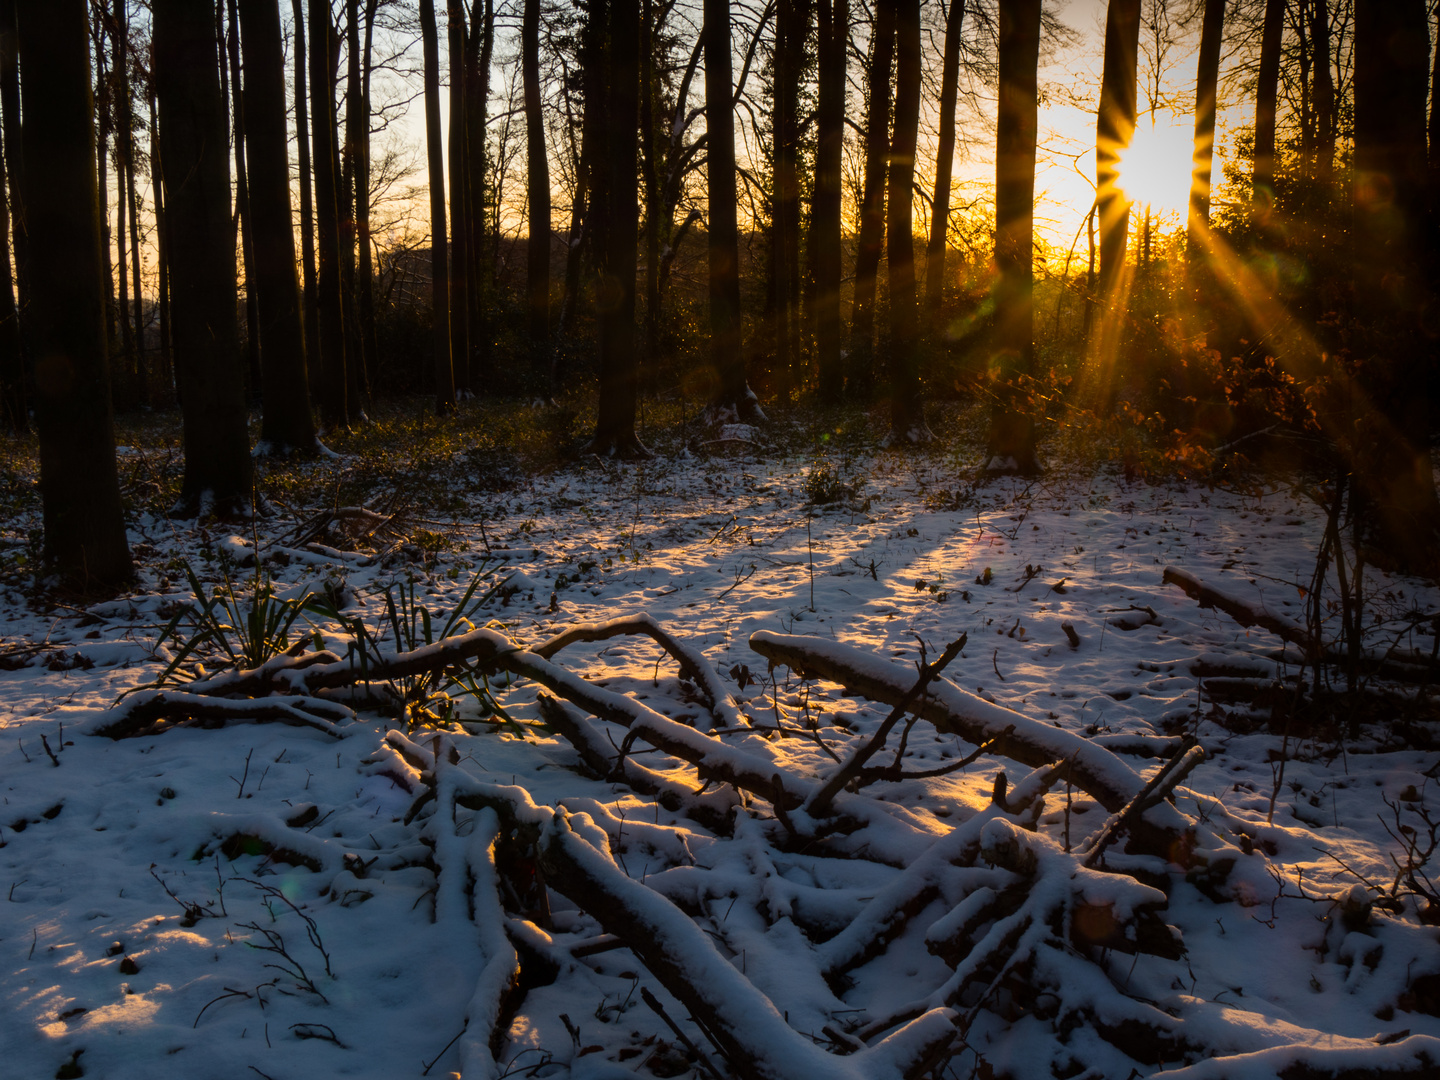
(1156, 168)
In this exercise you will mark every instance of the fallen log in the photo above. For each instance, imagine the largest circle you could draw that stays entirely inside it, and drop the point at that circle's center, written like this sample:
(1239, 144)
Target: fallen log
(1095, 770)
(691, 660)
(140, 712)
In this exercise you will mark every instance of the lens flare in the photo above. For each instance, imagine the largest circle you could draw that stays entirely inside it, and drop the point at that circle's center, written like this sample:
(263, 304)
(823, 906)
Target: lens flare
(1155, 168)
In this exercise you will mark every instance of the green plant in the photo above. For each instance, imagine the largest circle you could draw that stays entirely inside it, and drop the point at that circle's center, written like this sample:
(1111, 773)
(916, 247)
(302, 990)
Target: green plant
(242, 633)
(825, 484)
(431, 698)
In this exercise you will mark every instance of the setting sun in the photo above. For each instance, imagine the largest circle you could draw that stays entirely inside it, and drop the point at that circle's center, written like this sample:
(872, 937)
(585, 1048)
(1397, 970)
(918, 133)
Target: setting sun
(1155, 170)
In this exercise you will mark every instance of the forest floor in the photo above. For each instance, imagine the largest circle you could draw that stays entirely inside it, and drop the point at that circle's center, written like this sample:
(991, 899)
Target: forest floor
(262, 899)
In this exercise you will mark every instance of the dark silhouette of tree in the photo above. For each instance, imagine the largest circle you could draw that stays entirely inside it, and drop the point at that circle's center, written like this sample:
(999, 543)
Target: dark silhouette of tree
(871, 240)
(479, 45)
(164, 365)
(442, 373)
(218, 472)
(1266, 88)
(459, 201)
(907, 414)
(120, 112)
(726, 347)
(944, 164)
(14, 414)
(792, 19)
(617, 217)
(1206, 79)
(334, 397)
(1011, 447)
(825, 214)
(288, 426)
(14, 411)
(1114, 128)
(84, 523)
(1324, 96)
(242, 206)
(537, 189)
(365, 268)
(307, 212)
(357, 121)
(1392, 459)
(14, 159)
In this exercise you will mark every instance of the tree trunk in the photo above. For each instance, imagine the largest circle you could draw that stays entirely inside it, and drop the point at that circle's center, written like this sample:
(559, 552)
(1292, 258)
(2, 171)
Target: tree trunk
(218, 471)
(242, 209)
(479, 48)
(791, 27)
(442, 372)
(141, 375)
(657, 216)
(616, 191)
(356, 120)
(871, 240)
(1434, 131)
(120, 104)
(164, 367)
(84, 521)
(1324, 100)
(582, 213)
(1265, 96)
(334, 397)
(826, 210)
(307, 214)
(1011, 446)
(14, 415)
(1392, 457)
(1206, 78)
(1114, 128)
(944, 166)
(459, 217)
(726, 346)
(105, 114)
(287, 426)
(907, 413)
(365, 283)
(537, 186)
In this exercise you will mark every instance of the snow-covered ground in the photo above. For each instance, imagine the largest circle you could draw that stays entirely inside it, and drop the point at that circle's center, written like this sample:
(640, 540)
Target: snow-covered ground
(139, 938)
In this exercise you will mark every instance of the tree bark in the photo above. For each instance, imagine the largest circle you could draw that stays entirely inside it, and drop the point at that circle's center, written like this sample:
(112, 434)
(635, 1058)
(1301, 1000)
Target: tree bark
(459, 210)
(442, 373)
(1206, 79)
(791, 28)
(365, 285)
(825, 214)
(165, 366)
(537, 188)
(105, 117)
(1266, 89)
(287, 426)
(871, 240)
(479, 48)
(1324, 97)
(726, 346)
(1392, 289)
(907, 413)
(1115, 126)
(944, 167)
(617, 194)
(84, 521)
(311, 295)
(120, 104)
(334, 397)
(242, 209)
(356, 121)
(1011, 446)
(14, 414)
(218, 471)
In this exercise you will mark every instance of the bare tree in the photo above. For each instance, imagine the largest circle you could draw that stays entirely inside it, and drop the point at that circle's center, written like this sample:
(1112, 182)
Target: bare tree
(825, 214)
(944, 163)
(871, 241)
(443, 374)
(334, 396)
(537, 188)
(1012, 430)
(1206, 80)
(288, 426)
(907, 414)
(84, 521)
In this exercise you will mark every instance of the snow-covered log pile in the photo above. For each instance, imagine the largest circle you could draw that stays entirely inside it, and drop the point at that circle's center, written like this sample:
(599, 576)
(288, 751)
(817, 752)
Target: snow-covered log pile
(789, 919)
